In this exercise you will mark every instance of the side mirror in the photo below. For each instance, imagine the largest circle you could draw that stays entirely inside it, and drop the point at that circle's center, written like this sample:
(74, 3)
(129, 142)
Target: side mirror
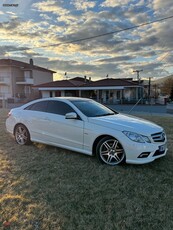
(71, 116)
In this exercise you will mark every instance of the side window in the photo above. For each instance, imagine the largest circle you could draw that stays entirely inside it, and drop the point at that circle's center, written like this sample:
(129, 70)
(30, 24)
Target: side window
(38, 106)
(59, 107)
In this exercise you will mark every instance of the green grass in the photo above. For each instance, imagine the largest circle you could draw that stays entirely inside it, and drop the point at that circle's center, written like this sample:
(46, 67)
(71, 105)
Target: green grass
(43, 187)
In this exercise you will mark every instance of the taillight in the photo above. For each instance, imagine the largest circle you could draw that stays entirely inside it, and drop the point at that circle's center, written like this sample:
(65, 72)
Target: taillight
(9, 114)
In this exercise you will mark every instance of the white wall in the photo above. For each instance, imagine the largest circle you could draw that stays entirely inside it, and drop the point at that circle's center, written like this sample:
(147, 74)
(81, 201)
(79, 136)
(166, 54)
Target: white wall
(45, 94)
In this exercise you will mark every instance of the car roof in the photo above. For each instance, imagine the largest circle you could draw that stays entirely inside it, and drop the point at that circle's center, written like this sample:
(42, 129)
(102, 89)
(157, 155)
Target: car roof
(65, 99)
(74, 98)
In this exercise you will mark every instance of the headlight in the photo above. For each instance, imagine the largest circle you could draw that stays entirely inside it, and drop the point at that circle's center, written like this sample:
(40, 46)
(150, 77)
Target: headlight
(137, 137)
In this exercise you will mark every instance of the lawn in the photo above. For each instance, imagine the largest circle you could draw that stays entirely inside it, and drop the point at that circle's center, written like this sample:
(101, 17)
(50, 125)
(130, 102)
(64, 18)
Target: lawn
(47, 188)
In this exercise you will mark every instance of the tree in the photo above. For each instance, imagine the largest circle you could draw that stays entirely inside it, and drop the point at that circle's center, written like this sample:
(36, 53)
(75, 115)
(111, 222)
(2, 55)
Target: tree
(171, 95)
(167, 86)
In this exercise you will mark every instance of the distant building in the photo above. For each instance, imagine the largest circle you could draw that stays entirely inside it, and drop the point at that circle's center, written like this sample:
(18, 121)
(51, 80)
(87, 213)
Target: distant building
(107, 90)
(18, 78)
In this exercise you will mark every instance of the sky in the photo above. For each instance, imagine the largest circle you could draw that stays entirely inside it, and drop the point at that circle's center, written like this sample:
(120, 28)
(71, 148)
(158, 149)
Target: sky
(47, 31)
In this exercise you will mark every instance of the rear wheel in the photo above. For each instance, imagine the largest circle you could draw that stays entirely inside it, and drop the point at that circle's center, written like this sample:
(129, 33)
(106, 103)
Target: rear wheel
(21, 134)
(110, 151)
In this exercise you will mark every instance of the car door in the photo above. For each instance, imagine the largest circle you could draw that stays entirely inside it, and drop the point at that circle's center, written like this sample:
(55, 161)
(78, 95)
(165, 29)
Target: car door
(62, 131)
(34, 117)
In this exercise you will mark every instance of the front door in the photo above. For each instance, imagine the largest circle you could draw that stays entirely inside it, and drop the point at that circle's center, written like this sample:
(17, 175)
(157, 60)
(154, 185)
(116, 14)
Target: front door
(65, 132)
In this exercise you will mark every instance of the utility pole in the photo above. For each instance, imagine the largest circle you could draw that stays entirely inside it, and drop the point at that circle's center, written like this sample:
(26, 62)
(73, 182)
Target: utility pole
(139, 80)
(138, 71)
(149, 90)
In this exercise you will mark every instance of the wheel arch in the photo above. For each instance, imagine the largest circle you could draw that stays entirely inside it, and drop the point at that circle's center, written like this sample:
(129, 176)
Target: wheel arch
(18, 125)
(25, 137)
(97, 141)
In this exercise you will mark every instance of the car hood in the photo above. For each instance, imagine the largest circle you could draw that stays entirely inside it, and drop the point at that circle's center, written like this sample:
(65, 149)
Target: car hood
(123, 122)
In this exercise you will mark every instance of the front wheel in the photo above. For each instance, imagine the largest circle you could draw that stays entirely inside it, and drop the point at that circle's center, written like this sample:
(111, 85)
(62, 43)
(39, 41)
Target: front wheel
(21, 134)
(110, 151)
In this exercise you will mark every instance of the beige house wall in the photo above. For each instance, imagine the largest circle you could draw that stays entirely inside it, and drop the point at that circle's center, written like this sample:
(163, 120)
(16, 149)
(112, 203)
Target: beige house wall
(16, 75)
(5, 82)
(12, 82)
(41, 77)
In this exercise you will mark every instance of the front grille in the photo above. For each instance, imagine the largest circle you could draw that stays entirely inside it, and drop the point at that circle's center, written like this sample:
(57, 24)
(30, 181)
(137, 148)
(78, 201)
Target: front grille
(158, 137)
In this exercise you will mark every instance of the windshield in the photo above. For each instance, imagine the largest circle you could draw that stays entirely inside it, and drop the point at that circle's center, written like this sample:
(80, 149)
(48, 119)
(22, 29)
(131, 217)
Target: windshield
(92, 108)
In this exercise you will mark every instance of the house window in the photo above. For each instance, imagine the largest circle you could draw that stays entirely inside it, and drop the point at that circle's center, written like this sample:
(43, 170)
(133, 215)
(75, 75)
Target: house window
(27, 74)
(107, 95)
(111, 94)
(118, 95)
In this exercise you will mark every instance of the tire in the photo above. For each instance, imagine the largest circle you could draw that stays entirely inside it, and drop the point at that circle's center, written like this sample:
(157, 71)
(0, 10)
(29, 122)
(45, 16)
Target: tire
(21, 134)
(110, 151)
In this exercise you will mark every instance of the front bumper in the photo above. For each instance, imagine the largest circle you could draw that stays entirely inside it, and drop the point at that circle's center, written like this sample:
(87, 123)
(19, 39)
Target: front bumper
(153, 151)
(145, 160)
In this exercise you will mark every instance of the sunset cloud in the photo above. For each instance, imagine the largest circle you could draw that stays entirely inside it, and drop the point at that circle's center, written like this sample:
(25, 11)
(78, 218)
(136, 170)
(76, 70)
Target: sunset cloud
(51, 33)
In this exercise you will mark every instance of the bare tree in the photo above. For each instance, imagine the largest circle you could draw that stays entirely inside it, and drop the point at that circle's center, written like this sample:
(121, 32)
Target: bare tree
(171, 94)
(167, 86)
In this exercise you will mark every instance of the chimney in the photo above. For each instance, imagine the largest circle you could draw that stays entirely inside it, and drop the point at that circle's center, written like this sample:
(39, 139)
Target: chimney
(31, 63)
(85, 78)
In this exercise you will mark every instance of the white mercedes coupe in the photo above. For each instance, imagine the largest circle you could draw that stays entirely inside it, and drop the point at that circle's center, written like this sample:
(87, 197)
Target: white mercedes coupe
(86, 126)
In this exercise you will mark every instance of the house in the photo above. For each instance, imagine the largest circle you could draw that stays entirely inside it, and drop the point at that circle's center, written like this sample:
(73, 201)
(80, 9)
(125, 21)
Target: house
(107, 90)
(18, 78)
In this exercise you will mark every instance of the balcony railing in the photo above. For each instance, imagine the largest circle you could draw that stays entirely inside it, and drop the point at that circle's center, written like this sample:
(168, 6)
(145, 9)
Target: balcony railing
(4, 95)
(24, 81)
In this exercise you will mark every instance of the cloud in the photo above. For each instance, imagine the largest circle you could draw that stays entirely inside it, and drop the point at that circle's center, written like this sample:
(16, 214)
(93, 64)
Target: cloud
(160, 4)
(5, 50)
(21, 33)
(55, 8)
(116, 59)
(51, 6)
(42, 30)
(164, 32)
(8, 25)
(83, 5)
(114, 3)
(46, 17)
(30, 54)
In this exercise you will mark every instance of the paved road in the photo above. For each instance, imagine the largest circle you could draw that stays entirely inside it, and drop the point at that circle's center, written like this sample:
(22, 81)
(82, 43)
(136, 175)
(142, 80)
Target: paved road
(142, 109)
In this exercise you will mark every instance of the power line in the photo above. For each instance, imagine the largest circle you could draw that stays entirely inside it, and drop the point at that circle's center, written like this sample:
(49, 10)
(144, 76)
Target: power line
(164, 66)
(160, 61)
(109, 33)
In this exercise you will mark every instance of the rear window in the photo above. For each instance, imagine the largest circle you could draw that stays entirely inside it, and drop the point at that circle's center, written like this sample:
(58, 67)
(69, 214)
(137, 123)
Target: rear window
(56, 107)
(38, 106)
